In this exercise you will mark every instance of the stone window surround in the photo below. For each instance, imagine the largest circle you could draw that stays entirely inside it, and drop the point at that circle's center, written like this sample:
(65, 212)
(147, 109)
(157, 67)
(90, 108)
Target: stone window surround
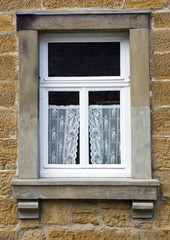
(28, 188)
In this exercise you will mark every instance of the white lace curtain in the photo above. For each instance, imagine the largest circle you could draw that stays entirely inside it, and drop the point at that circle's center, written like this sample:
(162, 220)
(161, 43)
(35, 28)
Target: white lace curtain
(104, 132)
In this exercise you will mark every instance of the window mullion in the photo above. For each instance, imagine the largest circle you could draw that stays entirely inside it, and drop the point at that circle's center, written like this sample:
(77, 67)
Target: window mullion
(84, 141)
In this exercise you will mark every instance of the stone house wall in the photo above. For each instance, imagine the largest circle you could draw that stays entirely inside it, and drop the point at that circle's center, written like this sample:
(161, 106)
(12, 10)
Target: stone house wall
(76, 220)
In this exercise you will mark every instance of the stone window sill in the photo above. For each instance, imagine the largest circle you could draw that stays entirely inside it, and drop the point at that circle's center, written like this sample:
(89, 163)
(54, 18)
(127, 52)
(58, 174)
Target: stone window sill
(83, 188)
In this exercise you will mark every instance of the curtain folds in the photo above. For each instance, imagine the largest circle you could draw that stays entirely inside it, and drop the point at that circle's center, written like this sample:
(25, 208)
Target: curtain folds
(104, 133)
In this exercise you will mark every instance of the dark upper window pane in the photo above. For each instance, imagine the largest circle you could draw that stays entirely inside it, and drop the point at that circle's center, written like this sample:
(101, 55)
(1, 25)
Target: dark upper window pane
(84, 59)
(104, 98)
(63, 98)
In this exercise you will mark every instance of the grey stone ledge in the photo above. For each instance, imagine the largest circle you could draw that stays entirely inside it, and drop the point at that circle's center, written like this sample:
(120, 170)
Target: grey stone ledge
(122, 189)
(87, 181)
(82, 12)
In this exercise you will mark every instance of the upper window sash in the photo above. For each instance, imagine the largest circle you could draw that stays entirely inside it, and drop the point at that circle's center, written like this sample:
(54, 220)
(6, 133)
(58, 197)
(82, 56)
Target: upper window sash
(122, 38)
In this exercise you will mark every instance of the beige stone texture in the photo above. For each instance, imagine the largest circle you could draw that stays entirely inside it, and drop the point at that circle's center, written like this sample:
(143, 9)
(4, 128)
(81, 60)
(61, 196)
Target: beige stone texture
(143, 4)
(116, 214)
(8, 210)
(155, 235)
(6, 23)
(160, 93)
(54, 212)
(93, 235)
(160, 40)
(142, 224)
(102, 3)
(72, 3)
(51, 4)
(161, 20)
(5, 178)
(164, 177)
(85, 213)
(168, 3)
(8, 123)
(8, 67)
(161, 152)
(162, 214)
(73, 235)
(7, 43)
(119, 235)
(161, 121)
(28, 223)
(35, 234)
(8, 234)
(11, 5)
(7, 94)
(8, 154)
(160, 66)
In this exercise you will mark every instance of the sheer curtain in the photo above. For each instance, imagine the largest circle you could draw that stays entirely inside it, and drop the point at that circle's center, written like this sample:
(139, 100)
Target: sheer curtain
(104, 124)
(104, 132)
(63, 125)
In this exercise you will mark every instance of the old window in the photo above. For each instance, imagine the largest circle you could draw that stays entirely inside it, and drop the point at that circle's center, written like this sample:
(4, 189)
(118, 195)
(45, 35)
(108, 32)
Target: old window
(88, 91)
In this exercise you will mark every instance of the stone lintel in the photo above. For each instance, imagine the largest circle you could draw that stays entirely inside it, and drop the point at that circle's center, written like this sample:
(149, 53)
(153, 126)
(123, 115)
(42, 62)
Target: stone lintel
(28, 209)
(142, 209)
(82, 21)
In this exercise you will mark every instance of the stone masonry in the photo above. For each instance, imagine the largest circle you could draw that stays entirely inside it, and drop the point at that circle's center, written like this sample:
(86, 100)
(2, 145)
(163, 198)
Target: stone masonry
(85, 219)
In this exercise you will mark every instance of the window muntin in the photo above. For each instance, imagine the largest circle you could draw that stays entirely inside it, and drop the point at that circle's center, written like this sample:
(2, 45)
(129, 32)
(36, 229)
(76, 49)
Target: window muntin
(89, 88)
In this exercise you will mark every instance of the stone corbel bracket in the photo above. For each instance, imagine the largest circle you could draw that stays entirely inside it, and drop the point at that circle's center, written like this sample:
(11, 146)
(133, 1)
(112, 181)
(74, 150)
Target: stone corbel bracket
(28, 209)
(142, 209)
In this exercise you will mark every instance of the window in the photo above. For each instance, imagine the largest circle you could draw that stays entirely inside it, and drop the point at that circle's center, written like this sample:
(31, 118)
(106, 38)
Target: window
(84, 105)
(135, 182)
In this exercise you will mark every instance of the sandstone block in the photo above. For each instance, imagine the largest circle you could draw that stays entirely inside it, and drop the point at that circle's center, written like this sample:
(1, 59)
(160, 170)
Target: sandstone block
(8, 234)
(6, 22)
(119, 235)
(6, 5)
(102, 3)
(142, 224)
(35, 234)
(54, 212)
(156, 235)
(161, 20)
(73, 235)
(28, 223)
(8, 123)
(161, 152)
(8, 67)
(164, 177)
(160, 93)
(7, 94)
(5, 178)
(160, 67)
(161, 122)
(73, 3)
(162, 214)
(8, 210)
(168, 3)
(7, 43)
(160, 41)
(143, 4)
(84, 213)
(8, 154)
(53, 4)
(116, 214)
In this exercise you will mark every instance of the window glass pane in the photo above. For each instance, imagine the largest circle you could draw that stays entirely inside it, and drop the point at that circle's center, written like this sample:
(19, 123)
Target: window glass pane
(84, 59)
(104, 127)
(63, 128)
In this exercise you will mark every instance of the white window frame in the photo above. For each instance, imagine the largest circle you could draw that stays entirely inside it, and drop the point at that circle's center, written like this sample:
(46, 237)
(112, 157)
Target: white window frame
(83, 85)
